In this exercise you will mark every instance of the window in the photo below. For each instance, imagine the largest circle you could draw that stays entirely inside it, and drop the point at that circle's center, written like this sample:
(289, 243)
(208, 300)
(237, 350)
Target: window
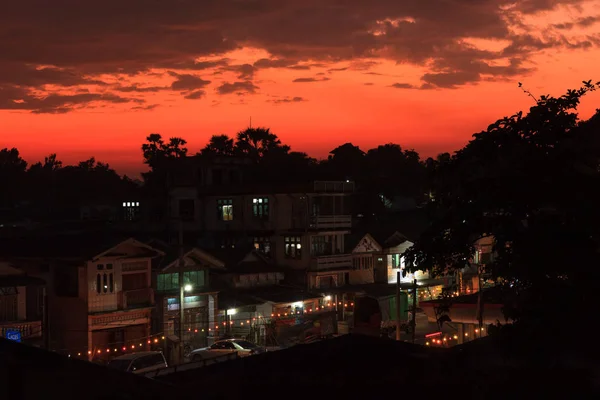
(100, 267)
(187, 209)
(109, 266)
(8, 305)
(260, 208)
(262, 244)
(397, 261)
(293, 247)
(225, 210)
(105, 283)
(234, 177)
(131, 210)
(228, 242)
(166, 282)
(138, 280)
(217, 176)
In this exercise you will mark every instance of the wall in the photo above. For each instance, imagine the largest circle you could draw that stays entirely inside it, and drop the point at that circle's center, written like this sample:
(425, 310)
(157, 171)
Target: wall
(392, 272)
(109, 301)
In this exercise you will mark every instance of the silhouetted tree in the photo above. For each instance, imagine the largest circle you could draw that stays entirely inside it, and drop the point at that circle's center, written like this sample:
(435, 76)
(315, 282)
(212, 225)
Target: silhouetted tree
(221, 145)
(532, 183)
(256, 143)
(12, 172)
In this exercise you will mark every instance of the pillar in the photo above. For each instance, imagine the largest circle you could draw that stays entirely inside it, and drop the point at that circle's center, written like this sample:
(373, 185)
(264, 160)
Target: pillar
(90, 346)
(460, 333)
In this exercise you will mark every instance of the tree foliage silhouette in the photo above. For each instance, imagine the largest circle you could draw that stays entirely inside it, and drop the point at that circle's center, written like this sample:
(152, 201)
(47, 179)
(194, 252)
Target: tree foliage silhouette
(532, 183)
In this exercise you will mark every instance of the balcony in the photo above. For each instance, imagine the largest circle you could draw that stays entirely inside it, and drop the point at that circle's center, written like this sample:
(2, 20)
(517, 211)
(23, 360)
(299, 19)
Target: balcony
(136, 298)
(28, 330)
(334, 187)
(331, 262)
(331, 222)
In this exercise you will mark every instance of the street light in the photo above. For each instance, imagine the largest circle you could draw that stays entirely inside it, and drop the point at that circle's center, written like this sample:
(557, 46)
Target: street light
(187, 288)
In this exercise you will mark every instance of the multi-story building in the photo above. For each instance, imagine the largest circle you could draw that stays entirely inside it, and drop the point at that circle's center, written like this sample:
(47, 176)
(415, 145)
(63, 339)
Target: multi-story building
(298, 226)
(99, 292)
(200, 302)
(21, 306)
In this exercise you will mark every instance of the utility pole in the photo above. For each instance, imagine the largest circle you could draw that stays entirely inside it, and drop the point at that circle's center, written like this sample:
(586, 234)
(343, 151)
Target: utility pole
(479, 300)
(398, 323)
(181, 291)
(45, 323)
(414, 310)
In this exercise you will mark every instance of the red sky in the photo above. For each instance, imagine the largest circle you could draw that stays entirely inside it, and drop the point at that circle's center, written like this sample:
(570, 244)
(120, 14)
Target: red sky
(87, 81)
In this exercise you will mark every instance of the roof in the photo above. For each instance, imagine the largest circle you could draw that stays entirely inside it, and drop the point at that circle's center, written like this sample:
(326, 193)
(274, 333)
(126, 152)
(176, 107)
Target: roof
(281, 294)
(357, 366)
(33, 373)
(20, 280)
(232, 298)
(277, 294)
(133, 356)
(410, 224)
(82, 245)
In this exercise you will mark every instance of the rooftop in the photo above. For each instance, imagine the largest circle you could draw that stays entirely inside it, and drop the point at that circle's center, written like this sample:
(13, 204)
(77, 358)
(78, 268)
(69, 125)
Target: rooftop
(354, 366)
(32, 373)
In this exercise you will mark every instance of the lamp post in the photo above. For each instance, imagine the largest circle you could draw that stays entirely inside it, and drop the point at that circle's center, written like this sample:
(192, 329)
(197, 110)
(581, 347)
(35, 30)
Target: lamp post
(182, 289)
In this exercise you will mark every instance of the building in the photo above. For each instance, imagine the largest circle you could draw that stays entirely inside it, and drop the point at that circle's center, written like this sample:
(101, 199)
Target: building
(200, 297)
(99, 292)
(21, 306)
(299, 226)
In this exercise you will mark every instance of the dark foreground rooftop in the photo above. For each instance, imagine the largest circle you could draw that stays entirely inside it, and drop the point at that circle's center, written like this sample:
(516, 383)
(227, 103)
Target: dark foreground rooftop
(348, 367)
(30, 373)
(352, 366)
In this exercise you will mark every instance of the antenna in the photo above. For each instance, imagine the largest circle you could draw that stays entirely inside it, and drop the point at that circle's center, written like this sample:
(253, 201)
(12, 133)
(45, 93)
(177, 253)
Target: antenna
(250, 123)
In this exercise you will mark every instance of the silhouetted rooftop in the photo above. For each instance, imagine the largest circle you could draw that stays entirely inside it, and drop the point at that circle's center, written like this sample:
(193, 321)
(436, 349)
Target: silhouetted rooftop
(31, 373)
(354, 366)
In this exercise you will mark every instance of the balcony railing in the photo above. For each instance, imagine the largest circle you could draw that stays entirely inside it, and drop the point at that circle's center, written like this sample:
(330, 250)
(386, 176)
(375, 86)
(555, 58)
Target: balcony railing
(136, 298)
(336, 261)
(331, 222)
(28, 330)
(334, 187)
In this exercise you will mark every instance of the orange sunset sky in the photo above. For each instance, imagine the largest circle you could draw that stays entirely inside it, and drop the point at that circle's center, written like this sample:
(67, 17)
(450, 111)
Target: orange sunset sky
(94, 78)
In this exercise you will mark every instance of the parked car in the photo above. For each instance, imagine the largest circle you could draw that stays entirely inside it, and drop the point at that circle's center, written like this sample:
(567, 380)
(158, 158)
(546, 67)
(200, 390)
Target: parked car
(243, 348)
(139, 363)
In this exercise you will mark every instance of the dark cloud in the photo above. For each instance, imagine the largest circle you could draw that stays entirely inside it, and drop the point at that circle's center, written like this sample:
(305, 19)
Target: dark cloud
(241, 87)
(137, 37)
(20, 99)
(368, 83)
(450, 80)
(244, 71)
(145, 108)
(198, 94)
(399, 85)
(140, 89)
(187, 81)
(306, 80)
(288, 100)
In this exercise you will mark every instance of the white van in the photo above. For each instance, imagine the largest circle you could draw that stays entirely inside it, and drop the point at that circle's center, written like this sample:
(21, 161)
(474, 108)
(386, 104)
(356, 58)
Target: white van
(139, 363)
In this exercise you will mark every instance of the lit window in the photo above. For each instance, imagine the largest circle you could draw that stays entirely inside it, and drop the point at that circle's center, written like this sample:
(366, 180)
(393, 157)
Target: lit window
(131, 210)
(260, 207)
(262, 244)
(225, 210)
(293, 247)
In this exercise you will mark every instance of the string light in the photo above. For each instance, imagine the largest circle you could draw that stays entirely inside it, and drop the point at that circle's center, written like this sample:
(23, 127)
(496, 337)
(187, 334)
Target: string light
(214, 327)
